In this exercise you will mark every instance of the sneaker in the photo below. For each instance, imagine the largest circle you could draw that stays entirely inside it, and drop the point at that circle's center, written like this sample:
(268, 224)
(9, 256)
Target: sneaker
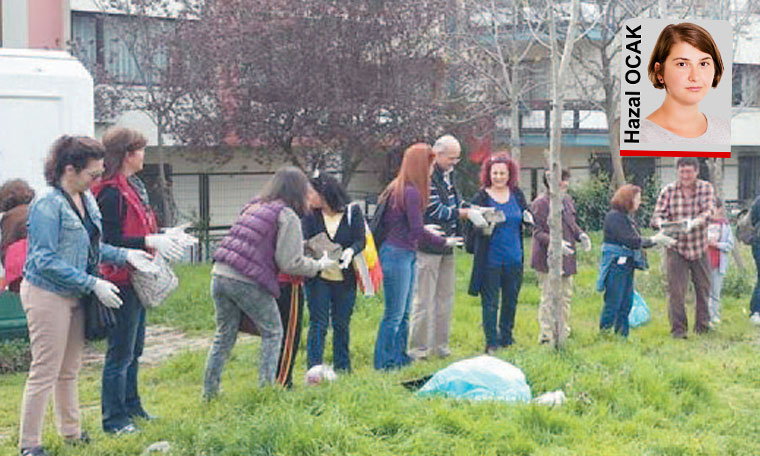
(755, 319)
(124, 430)
(491, 349)
(36, 451)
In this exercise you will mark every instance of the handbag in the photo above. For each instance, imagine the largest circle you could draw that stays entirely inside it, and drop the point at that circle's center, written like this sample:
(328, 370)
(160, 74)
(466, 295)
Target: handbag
(153, 288)
(98, 319)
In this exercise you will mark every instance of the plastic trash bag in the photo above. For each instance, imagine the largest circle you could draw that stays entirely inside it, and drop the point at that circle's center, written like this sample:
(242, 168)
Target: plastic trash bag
(639, 314)
(480, 378)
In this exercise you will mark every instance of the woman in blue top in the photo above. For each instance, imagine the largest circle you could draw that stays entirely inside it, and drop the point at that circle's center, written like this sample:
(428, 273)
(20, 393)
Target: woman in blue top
(498, 248)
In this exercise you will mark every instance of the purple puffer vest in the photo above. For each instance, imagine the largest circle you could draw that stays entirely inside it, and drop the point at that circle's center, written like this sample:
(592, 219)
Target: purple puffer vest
(249, 247)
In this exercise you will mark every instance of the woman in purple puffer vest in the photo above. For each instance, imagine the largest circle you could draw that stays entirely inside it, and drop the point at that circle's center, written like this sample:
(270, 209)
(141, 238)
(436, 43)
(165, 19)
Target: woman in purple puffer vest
(265, 240)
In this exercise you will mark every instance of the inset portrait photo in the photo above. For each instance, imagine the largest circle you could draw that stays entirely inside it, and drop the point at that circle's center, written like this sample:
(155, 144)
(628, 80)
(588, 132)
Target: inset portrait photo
(676, 88)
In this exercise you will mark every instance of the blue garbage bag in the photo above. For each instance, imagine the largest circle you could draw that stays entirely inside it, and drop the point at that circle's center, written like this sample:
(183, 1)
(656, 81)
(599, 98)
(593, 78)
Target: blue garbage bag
(639, 314)
(480, 378)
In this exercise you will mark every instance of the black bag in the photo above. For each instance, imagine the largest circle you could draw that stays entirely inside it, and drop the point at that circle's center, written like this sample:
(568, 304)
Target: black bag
(98, 319)
(376, 225)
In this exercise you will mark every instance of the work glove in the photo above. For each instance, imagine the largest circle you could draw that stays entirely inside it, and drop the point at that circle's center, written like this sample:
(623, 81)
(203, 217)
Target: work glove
(165, 245)
(346, 257)
(326, 263)
(691, 224)
(528, 217)
(140, 260)
(476, 217)
(662, 239)
(178, 234)
(435, 229)
(567, 248)
(454, 241)
(107, 293)
(585, 242)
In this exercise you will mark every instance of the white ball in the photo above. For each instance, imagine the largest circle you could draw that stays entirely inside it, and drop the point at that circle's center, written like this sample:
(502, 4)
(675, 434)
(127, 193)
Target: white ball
(320, 373)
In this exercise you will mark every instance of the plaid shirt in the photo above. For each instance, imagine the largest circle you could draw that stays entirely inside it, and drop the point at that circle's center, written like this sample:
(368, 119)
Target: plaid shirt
(674, 205)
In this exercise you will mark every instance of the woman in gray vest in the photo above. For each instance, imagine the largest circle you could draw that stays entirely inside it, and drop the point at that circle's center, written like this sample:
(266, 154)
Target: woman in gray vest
(266, 239)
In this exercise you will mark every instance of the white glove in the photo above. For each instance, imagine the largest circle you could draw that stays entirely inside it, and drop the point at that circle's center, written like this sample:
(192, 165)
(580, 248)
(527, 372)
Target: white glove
(165, 245)
(140, 260)
(476, 217)
(528, 218)
(178, 234)
(690, 224)
(454, 242)
(435, 229)
(326, 263)
(567, 248)
(107, 293)
(346, 257)
(662, 239)
(585, 242)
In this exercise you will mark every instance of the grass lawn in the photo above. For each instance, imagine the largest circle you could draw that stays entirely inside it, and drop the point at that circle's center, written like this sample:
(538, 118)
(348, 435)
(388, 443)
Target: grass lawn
(648, 395)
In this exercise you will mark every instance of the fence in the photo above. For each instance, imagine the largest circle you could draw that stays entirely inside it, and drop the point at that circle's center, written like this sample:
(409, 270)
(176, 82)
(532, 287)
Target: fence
(212, 202)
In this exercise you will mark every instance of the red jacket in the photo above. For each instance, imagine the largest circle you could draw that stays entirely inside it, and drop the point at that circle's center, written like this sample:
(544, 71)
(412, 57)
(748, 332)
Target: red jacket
(136, 221)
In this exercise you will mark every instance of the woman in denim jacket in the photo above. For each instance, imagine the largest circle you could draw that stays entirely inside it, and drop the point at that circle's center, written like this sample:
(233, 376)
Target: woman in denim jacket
(64, 251)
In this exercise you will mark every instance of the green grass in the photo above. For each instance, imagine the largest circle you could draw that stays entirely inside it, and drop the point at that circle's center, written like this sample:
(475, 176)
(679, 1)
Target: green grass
(647, 395)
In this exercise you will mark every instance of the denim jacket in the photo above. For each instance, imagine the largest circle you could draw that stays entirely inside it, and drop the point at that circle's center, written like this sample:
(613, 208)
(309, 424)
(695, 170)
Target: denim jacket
(56, 259)
(611, 253)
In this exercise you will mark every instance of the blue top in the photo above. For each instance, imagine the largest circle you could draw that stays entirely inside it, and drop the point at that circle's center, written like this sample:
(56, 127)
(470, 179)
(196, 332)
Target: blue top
(610, 254)
(505, 248)
(58, 245)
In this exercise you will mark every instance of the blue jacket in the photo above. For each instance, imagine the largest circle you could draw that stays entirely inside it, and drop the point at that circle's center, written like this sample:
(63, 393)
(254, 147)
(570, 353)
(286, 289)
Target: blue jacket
(610, 254)
(56, 259)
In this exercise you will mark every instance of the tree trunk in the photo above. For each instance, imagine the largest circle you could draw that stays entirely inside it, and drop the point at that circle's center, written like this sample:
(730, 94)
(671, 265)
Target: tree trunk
(613, 134)
(167, 200)
(514, 131)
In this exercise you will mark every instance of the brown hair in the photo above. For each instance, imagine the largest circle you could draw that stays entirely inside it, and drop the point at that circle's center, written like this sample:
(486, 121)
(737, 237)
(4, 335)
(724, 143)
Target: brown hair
(14, 193)
(76, 151)
(685, 32)
(119, 142)
(415, 170)
(289, 185)
(622, 200)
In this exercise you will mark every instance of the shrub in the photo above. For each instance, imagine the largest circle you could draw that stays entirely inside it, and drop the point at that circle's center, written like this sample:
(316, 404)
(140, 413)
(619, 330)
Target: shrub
(592, 201)
(15, 356)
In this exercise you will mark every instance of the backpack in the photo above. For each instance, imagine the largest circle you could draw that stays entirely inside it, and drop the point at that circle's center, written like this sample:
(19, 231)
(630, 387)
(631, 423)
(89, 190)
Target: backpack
(376, 225)
(745, 230)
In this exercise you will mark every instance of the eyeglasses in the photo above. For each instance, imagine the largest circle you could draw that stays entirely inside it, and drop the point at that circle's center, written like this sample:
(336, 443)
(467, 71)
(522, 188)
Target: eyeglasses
(95, 174)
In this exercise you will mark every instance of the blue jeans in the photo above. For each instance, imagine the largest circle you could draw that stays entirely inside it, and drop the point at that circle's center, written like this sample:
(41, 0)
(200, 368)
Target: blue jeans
(508, 278)
(754, 304)
(328, 299)
(398, 289)
(119, 399)
(618, 298)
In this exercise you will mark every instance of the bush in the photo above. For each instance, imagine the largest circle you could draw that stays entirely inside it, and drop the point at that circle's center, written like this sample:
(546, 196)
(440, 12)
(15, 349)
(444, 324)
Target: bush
(15, 356)
(592, 201)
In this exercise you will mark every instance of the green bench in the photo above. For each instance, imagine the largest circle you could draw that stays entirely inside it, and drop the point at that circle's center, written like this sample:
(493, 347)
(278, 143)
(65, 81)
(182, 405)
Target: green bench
(12, 317)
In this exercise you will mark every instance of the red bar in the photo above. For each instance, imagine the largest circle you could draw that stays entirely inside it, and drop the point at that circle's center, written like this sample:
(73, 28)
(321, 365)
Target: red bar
(672, 153)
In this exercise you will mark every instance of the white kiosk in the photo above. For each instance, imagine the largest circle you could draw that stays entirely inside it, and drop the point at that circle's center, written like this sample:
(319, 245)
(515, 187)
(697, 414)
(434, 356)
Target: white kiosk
(43, 94)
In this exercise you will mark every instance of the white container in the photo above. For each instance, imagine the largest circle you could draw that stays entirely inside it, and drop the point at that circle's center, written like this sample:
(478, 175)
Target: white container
(43, 95)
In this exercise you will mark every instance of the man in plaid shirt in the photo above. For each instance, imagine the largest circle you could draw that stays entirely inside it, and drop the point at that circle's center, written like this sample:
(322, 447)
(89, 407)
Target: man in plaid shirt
(689, 201)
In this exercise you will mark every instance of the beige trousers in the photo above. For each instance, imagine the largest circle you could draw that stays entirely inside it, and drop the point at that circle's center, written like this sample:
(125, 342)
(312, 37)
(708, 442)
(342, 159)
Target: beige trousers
(56, 333)
(430, 319)
(547, 318)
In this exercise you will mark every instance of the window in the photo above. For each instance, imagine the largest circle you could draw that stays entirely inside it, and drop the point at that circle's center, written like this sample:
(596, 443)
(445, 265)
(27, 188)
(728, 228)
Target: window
(749, 172)
(130, 49)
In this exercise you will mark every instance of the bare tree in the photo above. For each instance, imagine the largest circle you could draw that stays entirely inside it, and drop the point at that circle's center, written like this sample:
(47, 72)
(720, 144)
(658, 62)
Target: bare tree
(596, 69)
(491, 48)
(559, 37)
